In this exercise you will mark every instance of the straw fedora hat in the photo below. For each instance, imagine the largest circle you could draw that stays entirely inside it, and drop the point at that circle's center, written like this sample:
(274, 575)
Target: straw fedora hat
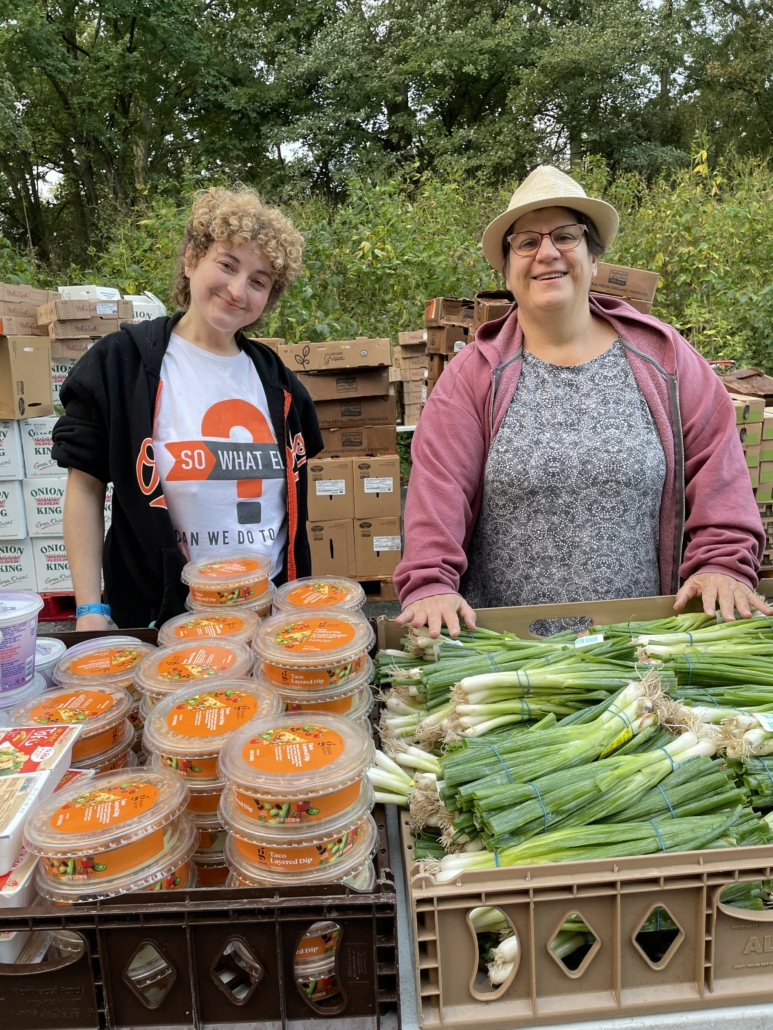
(547, 186)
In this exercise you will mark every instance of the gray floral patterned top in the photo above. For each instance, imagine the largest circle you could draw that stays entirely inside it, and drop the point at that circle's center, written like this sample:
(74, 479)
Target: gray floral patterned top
(572, 490)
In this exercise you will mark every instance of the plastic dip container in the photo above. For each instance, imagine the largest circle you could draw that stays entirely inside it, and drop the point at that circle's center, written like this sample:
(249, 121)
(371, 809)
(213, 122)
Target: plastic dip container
(251, 872)
(230, 579)
(48, 651)
(114, 834)
(325, 649)
(119, 755)
(188, 728)
(11, 698)
(204, 803)
(211, 870)
(286, 771)
(211, 838)
(317, 979)
(240, 625)
(103, 660)
(330, 592)
(18, 629)
(168, 669)
(354, 699)
(100, 710)
(260, 606)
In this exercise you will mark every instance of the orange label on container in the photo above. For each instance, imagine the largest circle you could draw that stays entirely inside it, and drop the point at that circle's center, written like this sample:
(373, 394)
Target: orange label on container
(204, 803)
(310, 636)
(332, 675)
(99, 742)
(106, 806)
(292, 749)
(317, 595)
(175, 881)
(196, 768)
(106, 863)
(309, 856)
(210, 626)
(216, 711)
(73, 707)
(102, 663)
(227, 568)
(298, 810)
(197, 663)
(211, 875)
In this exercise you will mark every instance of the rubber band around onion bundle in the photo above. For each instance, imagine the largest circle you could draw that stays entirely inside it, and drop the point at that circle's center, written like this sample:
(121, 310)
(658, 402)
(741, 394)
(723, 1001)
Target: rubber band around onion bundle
(197, 662)
(314, 592)
(323, 649)
(227, 580)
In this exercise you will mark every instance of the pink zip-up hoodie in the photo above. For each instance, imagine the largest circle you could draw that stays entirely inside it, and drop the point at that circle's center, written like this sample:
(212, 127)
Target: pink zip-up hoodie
(709, 521)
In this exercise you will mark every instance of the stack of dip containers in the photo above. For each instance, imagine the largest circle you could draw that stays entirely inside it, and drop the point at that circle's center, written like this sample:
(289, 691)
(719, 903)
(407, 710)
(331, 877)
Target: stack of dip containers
(239, 624)
(185, 733)
(314, 592)
(111, 835)
(101, 710)
(18, 630)
(168, 669)
(261, 607)
(315, 961)
(297, 801)
(109, 660)
(318, 662)
(228, 581)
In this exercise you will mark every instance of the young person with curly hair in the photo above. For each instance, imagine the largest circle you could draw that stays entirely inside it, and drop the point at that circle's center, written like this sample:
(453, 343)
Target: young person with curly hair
(203, 433)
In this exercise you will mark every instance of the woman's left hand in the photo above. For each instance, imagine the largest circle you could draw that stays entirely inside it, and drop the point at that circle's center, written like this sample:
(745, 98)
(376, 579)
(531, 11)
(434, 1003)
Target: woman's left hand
(724, 590)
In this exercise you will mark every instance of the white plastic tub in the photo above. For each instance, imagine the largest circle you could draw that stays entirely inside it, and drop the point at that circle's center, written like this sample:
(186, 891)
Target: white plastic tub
(18, 630)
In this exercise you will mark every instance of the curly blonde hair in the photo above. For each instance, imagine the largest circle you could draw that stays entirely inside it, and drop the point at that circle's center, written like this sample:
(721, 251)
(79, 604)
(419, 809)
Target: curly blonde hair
(238, 216)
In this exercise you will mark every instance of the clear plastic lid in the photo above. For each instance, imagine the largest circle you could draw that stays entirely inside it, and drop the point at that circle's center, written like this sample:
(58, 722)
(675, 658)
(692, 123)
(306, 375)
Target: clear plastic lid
(196, 721)
(96, 708)
(331, 692)
(110, 811)
(324, 639)
(48, 651)
(11, 698)
(291, 755)
(181, 841)
(228, 579)
(168, 669)
(349, 866)
(18, 606)
(314, 592)
(351, 706)
(238, 625)
(102, 660)
(260, 606)
(110, 757)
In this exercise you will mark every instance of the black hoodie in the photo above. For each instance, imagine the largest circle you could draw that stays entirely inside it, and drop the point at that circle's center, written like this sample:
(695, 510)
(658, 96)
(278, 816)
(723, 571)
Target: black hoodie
(110, 400)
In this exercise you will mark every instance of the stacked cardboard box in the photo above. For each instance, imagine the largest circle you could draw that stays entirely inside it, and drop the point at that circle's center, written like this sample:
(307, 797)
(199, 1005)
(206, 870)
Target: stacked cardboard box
(354, 484)
(634, 285)
(415, 372)
(755, 428)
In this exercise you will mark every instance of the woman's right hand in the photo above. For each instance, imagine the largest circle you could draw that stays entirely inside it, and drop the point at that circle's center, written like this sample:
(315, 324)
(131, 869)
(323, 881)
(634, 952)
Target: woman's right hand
(435, 610)
(91, 622)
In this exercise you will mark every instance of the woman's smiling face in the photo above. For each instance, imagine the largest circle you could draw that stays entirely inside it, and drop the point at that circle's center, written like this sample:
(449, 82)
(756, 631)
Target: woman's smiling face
(230, 285)
(549, 279)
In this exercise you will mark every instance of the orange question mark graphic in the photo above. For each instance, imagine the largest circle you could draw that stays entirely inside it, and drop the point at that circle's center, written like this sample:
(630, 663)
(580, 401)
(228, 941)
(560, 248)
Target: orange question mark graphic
(218, 421)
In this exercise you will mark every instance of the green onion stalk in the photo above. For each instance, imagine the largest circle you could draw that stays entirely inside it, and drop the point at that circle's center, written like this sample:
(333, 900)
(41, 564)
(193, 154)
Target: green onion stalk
(757, 629)
(756, 775)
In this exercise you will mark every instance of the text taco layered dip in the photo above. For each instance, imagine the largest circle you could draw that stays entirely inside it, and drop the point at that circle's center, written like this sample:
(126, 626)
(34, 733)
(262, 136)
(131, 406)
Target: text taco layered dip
(239, 625)
(353, 699)
(324, 649)
(116, 833)
(196, 662)
(227, 580)
(289, 771)
(314, 592)
(189, 728)
(103, 660)
(260, 606)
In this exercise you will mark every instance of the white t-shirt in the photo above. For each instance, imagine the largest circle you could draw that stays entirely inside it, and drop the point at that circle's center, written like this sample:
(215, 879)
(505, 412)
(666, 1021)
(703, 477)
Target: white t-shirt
(222, 473)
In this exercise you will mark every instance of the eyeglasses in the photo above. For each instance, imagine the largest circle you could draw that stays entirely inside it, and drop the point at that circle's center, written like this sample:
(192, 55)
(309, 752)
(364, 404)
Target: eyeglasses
(563, 238)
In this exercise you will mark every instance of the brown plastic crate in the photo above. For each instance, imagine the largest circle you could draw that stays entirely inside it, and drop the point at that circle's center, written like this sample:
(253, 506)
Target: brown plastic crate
(722, 956)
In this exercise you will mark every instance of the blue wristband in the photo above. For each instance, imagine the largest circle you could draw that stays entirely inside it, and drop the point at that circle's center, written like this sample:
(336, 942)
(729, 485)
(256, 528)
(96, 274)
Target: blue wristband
(92, 609)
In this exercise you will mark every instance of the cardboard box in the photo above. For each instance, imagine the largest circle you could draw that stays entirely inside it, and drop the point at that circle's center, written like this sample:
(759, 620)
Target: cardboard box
(17, 565)
(766, 450)
(324, 387)
(377, 487)
(359, 411)
(19, 325)
(11, 456)
(349, 442)
(748, 409)
(331, 489)
(754, 476)
(76, 328)
(763, 494)
(634, 285)
(25, 377)
(412, 414)
(20, 293)
(52, 570)
(440, 310)
(78, 310)
(332, 548)
(414, 338)
(88, 293)
(334, 354)
(415, 393)
(443, 339)
(752, 455)
(44, 505)
(377, 546)
(766, 472)
(491, 304)
(36, 443)
(70, 348)
(272, 342)
(17, 308)
(13, 521)
(750, 433)
(60, 369)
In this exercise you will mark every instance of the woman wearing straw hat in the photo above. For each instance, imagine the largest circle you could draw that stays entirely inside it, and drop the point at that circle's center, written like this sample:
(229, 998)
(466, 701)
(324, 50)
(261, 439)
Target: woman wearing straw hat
(577, 450)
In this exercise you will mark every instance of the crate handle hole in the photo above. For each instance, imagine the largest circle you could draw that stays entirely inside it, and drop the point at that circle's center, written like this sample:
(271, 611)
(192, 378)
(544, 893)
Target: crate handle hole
(41, 951)
(574, 945)
(497, 952)
(237, 971)
(149, 974)
(547, 627)
(658, 938)
(315, 968)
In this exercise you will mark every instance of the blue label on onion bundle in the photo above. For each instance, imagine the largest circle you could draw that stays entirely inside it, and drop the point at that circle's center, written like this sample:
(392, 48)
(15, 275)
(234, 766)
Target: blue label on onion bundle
(594, 638)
